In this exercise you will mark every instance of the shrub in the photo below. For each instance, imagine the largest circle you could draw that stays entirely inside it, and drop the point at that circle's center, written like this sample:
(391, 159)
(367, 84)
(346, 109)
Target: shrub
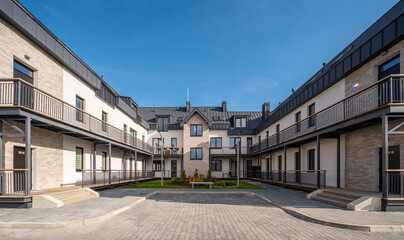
(225, 183)
(196, 174)
(209, 176)
(183, 178)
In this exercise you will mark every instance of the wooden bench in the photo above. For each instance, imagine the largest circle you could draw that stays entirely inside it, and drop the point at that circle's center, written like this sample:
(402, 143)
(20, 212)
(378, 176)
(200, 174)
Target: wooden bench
(210, 184)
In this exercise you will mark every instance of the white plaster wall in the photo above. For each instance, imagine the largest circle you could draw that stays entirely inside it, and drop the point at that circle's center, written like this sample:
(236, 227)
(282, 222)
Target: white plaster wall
(73, 85)
(322, 101)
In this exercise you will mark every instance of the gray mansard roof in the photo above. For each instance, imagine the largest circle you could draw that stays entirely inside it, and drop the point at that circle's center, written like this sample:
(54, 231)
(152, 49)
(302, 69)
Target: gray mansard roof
(224, 120)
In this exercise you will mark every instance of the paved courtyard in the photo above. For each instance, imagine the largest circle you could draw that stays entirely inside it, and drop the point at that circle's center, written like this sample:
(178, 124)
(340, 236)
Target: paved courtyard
(199, 216)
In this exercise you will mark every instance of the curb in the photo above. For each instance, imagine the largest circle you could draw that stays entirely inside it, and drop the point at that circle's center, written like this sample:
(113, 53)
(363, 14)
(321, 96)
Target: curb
(81, 222)
(357, 227)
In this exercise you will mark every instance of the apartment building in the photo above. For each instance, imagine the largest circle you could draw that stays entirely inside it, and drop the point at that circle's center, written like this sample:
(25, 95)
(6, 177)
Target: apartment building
(61, 124)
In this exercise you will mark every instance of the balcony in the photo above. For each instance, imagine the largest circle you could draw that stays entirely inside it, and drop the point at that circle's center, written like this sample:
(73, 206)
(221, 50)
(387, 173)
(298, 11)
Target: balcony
(388, 91)
(18, 93)
(228, 151)
(169, 151)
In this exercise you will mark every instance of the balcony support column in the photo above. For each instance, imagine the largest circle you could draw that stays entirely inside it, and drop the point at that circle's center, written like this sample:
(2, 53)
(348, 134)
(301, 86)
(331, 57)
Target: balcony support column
(94, 163)
(338, 161)
(285, 163)
(109, 162)
(385, 158)
(28, 155)
(318, 162)
(136, 175)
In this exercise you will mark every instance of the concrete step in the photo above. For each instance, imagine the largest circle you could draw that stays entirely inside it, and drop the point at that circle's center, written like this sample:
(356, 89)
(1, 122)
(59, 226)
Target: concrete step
(342, 194)
(335, 197)
(77, 200)
(68, 197)
(330, 201)
(73, 196)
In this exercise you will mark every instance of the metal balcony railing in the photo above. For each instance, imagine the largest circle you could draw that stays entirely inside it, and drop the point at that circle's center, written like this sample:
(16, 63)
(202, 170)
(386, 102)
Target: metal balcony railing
(395, 183)
(91, 177)
(389, 90)
(18, 93)
(169, 150)
(228, 151)
(302, 178)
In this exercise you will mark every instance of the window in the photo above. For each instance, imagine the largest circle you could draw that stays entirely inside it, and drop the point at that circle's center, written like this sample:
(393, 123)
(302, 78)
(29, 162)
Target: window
(278, 136)
(233, 141)
(196, 130)
(104, 161)
(104, 117)
(162, 124)
(23, 72)
(174, 145)
(310, 157)
(215, 118)
(216, 142)
(216, 165)
(80, 108)
(311, 110)
(157, 165)
(390, 67)
(79, 158)
(241, 122)
(249, 141)
(259, 139)
(196, 153)
(157, 143)
(133, 136)
(298, 118)
(280, 162)
(125, 128)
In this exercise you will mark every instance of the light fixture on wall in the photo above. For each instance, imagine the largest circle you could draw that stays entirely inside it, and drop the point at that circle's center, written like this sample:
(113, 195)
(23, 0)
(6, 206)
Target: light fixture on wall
(27, 57)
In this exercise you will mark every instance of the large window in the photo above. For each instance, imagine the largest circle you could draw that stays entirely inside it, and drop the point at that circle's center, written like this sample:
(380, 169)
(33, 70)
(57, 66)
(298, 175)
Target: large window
(157, 165)
(216, 165)
(79, 158)
(196, 130)
(133, 136)
(174, 145)
(310, 111)
(196, 153)
(233, 141)
(104, 161)
(390, 67)
(104, 117)
(241, 122)
(216, 142)
(157, 143)
(162, 124)
(23, 72)
(311, 159)
(80, 109)
(249, 141)
(298, 118)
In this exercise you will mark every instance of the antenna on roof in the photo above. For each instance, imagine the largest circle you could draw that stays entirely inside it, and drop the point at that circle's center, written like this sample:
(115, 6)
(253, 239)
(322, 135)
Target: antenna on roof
(187, 94)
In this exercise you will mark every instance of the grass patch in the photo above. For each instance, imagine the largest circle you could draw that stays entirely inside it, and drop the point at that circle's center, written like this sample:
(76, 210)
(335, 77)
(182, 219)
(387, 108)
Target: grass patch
(219, 184)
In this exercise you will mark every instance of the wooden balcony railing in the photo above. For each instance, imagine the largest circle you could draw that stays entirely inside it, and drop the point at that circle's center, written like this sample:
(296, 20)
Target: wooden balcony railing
(18, 93)
(389, 90)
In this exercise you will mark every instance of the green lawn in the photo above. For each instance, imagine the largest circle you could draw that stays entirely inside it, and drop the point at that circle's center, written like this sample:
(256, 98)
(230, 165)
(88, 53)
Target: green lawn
(170, 184)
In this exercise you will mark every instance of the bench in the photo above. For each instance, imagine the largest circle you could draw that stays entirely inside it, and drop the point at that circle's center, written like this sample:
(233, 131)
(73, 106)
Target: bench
(210, 184)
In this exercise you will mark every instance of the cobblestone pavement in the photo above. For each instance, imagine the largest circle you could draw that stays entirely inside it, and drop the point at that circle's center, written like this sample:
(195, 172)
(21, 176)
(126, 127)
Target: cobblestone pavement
(200, 216)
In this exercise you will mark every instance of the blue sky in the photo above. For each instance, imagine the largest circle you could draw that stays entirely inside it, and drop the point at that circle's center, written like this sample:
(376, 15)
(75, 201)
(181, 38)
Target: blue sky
(243, 51)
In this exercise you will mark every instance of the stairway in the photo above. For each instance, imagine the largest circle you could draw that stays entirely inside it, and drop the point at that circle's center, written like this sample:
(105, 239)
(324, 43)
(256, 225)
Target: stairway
(337, 198)
(73, 196)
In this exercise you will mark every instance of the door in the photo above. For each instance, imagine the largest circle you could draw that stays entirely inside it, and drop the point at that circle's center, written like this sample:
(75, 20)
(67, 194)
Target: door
(173, 168)
(19, 163)
(297, 167)
(249, 168)
(233, 169)
(394, 162)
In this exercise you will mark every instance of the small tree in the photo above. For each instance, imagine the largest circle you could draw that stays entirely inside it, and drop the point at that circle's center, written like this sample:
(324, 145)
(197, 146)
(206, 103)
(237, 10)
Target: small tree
(209, 176)
(196, 174)
(183, 177)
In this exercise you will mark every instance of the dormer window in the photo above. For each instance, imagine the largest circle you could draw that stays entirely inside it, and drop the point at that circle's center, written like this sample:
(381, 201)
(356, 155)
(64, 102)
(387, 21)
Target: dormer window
(241, 122)
(215, 118)
(162, 124)
(180, 119)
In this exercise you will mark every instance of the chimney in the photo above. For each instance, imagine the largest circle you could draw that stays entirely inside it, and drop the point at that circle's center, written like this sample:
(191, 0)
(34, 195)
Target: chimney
(224, 106)
(265, 110)
(188, 106)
